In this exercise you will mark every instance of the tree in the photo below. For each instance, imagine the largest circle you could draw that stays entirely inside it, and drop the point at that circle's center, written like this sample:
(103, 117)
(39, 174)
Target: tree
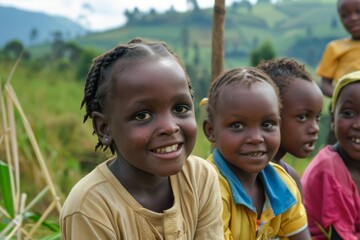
(217, 58)
(185, 41)
(33, 34)
(58, 44)
(196, 49)
(264, 52)
(13, 49)
(194, 4)
(334, 23)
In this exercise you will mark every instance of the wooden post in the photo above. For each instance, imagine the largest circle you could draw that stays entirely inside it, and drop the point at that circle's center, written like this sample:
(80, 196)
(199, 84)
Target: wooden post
(217, 59)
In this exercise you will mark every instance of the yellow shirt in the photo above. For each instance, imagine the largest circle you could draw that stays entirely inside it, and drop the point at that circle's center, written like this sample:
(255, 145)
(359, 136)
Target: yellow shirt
(99, 207)
(283, 213)
(339, 58)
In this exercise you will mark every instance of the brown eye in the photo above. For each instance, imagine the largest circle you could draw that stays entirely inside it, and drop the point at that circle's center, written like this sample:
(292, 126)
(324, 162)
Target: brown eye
(238, 126)
(181, 109)
(142, 116)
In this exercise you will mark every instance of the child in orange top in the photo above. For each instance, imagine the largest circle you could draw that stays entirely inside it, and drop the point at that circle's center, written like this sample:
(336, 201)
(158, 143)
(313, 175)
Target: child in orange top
(301, 108)
(260, 200)
(140, 101)
(341, 56)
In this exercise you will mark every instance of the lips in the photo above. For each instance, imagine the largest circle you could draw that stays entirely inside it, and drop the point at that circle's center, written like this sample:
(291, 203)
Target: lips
(309, 146)
(254, 154)
(355, 140)
(166, 149)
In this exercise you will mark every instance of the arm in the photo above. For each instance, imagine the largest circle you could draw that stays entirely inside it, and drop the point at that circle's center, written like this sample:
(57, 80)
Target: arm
(327, 87)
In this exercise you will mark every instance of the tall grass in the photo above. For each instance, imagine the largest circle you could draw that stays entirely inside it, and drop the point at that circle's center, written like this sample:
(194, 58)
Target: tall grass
(18, 219)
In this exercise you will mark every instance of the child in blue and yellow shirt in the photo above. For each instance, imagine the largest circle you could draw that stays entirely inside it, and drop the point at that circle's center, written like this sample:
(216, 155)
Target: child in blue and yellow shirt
(260, 200)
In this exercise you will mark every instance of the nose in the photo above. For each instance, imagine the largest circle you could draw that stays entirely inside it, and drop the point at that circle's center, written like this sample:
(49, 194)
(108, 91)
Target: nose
(356, 123)
(255, 136)
(167, 125)
(354, 16)
(314, 127)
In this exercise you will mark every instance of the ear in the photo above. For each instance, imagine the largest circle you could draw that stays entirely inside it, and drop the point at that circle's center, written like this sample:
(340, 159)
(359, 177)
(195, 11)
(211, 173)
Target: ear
(208, 130)
(101, 128)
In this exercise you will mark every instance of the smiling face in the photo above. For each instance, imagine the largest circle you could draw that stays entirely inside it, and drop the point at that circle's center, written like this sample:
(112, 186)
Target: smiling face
(347, 120)
(302, 104)
(150, 115)
(245, 126)
(349, 12)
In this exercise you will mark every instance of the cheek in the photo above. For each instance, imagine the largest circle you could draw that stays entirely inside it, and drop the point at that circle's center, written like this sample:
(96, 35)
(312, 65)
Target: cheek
(274, 139)
(189, 126)
(133, 138)
(340, 125)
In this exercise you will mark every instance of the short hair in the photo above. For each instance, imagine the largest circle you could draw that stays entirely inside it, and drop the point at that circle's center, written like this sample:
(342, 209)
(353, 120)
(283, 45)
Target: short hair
(283, 71)
(246, 76)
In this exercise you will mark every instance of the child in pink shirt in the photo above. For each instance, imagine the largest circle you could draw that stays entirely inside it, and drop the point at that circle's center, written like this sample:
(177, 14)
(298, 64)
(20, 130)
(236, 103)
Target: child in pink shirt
(331, 182)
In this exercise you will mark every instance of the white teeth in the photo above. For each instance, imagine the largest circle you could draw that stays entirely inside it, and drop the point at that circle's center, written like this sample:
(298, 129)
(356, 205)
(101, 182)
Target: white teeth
(167, 149)
(255, 154)
(355, 140)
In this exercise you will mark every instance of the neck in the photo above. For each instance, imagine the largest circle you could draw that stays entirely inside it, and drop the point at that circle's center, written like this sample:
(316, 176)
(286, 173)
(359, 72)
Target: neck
(351, 164)
(136, 180)
(279, 155)
(248, 180)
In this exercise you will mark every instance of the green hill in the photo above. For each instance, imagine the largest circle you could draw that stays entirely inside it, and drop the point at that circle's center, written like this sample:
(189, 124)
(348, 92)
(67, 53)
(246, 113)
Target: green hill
(298, 29)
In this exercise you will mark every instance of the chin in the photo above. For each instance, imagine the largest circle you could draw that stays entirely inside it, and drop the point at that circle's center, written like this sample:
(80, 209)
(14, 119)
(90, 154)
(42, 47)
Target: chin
(170, 171)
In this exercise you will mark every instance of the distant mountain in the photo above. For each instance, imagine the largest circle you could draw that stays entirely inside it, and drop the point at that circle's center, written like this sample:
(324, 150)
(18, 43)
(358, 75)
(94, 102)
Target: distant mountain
(33, 27)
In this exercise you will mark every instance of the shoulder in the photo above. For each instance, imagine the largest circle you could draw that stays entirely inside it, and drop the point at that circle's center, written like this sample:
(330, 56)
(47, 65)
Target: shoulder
(195, 165)
(325, 161)
(338, 42)
(87, 193)
(285, 176)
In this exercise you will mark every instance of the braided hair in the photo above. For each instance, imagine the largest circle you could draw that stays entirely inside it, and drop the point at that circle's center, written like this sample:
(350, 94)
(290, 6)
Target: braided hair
(283, 71)
(99, 82)
(246, 76)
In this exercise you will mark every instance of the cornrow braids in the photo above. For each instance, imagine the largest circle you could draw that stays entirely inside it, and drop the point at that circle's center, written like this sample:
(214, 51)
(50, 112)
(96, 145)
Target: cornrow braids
(247, 76)
(98, 83)
(283, 71)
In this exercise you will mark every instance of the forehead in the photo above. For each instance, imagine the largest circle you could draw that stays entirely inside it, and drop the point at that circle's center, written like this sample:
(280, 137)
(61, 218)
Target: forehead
(301, 91)
(151, 78)
(139, 72)
(245, 97)
(344, 4)
(350, 91)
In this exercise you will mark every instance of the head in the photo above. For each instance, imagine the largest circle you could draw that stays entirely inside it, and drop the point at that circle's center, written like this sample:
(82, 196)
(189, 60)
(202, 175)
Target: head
(349, 13)
(346, 114)
(140, 101)
(243, 118)
(302, 102)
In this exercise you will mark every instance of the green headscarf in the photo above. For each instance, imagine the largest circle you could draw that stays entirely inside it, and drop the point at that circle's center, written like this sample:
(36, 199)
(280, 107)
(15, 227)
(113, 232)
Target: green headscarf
(344, 81)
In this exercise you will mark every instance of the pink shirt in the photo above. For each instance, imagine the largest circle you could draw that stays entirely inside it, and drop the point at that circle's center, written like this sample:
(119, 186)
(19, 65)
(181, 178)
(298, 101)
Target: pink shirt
(331, 196)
